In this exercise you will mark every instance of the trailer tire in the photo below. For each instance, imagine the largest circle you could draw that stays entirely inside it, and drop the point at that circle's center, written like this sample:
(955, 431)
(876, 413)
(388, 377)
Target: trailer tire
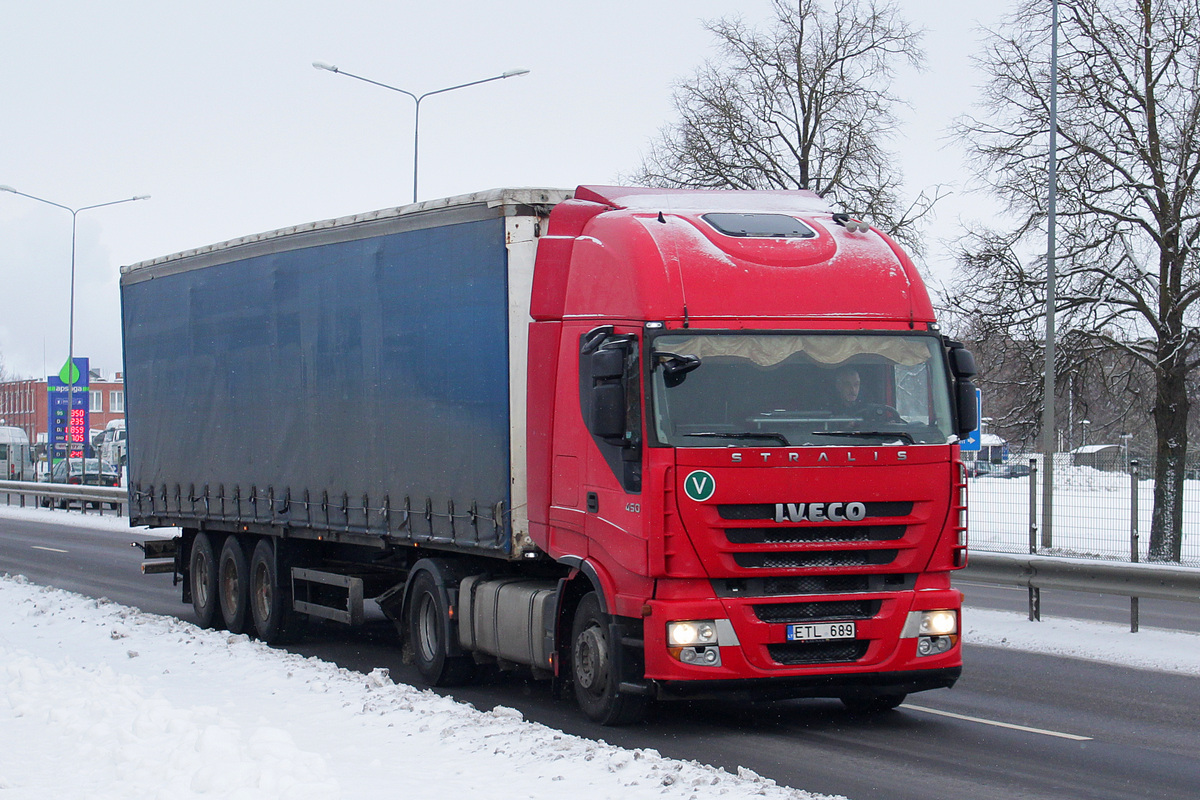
(427, 631)
(233, 582)
(271, 609)
(202, 575)
(595, 668)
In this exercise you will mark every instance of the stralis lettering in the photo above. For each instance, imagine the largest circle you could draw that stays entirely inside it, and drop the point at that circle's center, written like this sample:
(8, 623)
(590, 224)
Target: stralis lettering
(820, 512)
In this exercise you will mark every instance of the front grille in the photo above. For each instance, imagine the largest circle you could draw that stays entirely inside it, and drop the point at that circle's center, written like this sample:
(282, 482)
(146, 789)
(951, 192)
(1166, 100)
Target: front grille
(793, 653)
(825, 534)
(791, 586)
(820, 558)
(825, 610)
(767, 510)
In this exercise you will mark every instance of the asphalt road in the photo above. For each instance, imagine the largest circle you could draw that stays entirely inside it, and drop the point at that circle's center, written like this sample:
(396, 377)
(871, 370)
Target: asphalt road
(1017, 725)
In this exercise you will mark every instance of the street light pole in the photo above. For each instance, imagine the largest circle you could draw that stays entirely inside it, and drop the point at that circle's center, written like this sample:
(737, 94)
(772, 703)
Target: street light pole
(1048, 390)
(71, 375)
(417, 98)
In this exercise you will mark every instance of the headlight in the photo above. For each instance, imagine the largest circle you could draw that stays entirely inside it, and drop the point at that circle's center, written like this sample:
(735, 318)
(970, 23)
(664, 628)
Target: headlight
(939, 623)
(691, 633)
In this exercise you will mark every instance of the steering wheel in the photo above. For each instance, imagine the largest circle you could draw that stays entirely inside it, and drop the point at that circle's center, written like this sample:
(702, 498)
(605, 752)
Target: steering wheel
(877, 413)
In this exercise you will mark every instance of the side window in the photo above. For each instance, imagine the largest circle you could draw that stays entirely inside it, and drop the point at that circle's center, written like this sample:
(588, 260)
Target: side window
(610, 400)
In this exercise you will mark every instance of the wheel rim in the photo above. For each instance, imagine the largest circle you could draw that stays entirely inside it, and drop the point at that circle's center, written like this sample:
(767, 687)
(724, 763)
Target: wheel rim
(427, 628)
(229, 586)
(591, 660)
(262, 592)
(201, 574)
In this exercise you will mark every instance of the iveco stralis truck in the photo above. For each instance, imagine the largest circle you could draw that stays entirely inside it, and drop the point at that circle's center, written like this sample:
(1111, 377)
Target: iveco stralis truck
(647, 443)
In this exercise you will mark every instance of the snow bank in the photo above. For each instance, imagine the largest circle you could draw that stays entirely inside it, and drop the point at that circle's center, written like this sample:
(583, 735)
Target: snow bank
(102, 701)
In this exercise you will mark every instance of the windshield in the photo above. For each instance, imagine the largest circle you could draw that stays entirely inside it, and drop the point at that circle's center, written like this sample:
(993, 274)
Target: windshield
(780, 390)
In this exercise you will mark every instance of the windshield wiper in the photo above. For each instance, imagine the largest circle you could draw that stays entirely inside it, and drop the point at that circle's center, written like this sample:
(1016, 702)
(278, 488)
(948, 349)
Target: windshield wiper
(774, 437)
(901, 435)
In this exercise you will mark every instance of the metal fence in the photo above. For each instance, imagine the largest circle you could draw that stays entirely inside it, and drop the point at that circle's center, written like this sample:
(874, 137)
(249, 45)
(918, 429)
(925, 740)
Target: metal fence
(1101, 514)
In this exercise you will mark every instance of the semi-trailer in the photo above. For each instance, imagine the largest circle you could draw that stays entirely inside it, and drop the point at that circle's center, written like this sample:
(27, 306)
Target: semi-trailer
(646, 443)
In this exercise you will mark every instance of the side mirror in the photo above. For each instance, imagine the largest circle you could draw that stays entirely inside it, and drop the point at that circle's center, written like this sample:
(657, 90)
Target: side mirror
(962, 362)
(966, 407)
(608, 411)
(675, 367)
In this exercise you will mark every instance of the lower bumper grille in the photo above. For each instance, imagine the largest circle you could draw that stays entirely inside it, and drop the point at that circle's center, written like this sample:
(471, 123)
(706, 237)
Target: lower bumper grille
(827, 610)
(794, 653)
(819, 558)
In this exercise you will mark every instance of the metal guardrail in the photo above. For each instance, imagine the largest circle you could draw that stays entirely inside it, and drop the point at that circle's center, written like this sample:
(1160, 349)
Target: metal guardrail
(64, 492)
(1159, 581)
(1133, 580)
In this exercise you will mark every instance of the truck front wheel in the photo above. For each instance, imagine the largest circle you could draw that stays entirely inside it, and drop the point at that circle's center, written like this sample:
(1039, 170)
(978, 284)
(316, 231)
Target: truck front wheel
(427, 626)
(202, 573)
(270, 604)
(595, 668)
(233, 581)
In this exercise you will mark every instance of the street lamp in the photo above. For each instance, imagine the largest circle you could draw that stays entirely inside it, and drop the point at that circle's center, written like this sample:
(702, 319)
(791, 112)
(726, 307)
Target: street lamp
(71, 375)
(417, 98)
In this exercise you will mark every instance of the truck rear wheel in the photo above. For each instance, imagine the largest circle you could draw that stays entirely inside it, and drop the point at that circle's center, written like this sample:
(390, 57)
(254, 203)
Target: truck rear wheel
(270, 603)
(233, 581)
(595, 668)
(202, 574)
(427, 626)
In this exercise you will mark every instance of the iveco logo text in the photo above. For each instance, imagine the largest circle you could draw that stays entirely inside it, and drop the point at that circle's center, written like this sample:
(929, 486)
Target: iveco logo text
(820, 512)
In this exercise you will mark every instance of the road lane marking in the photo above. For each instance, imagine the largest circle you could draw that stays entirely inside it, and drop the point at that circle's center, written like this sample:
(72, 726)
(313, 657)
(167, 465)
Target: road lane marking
(51, 549)
(1073, 737)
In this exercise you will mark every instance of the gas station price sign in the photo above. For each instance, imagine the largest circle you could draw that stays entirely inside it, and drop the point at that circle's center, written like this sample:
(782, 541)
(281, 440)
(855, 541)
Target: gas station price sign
(71, 421)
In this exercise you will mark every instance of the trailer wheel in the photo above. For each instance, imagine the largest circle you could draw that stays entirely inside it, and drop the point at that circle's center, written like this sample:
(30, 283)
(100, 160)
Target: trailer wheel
(872, 702)
(270, 603)
(202, 572)
(427, 618)
(233, 582)
(595, 669)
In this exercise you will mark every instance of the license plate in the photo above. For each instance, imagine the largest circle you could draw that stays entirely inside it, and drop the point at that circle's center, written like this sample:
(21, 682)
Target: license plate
(820, 631)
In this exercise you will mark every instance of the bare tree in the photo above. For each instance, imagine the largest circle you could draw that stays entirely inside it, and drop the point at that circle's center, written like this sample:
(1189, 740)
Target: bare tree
(1128, 208)
(804, 105)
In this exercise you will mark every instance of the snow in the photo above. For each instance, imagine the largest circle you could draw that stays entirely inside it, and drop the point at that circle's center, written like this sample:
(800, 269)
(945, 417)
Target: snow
(105, 701)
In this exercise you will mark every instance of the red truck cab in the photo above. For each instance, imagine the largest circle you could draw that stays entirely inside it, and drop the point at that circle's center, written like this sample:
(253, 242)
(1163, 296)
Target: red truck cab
(695, 450)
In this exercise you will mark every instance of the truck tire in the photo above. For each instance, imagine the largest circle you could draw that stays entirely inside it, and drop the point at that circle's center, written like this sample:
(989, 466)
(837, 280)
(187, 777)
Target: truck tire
(202, 575)
(275, 620)
(233, 582)
(426, 630)
(595, 668)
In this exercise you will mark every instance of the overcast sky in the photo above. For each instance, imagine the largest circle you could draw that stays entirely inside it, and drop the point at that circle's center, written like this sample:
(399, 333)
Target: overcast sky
(213, 109)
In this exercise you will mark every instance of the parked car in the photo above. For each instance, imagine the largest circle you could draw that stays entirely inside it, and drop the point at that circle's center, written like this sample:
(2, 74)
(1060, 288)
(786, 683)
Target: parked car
(83, 472)
(1009, 470)
(976, 468)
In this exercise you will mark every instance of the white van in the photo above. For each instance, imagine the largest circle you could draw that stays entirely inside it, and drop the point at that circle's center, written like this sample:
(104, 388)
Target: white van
(16, 456)
(113, 444)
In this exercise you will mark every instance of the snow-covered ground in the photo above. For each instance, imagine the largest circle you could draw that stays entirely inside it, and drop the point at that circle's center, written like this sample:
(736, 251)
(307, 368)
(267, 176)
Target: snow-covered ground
(103, 701)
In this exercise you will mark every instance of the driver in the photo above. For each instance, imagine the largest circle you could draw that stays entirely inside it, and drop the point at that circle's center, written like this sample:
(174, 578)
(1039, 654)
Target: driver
(846, 384)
